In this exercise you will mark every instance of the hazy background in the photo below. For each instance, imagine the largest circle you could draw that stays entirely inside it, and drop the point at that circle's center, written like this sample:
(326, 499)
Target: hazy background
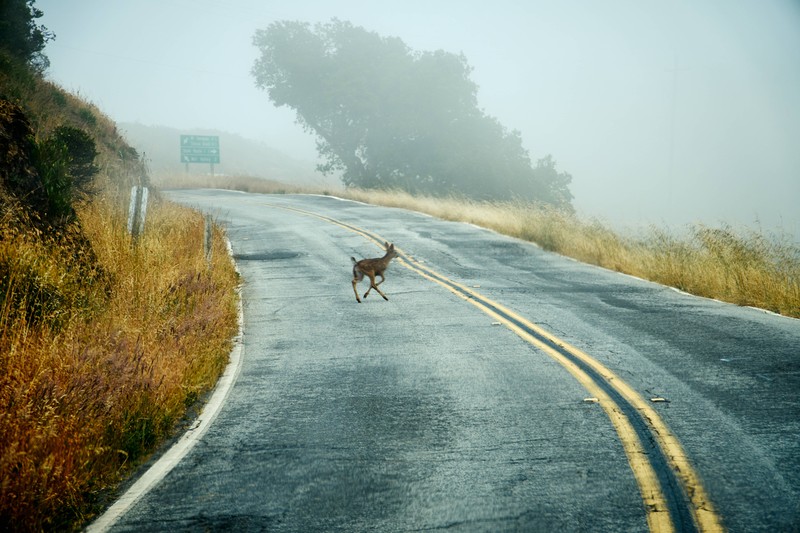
(664, 112)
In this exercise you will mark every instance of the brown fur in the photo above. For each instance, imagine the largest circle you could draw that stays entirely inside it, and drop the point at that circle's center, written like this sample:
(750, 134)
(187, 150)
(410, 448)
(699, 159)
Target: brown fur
(371, 268)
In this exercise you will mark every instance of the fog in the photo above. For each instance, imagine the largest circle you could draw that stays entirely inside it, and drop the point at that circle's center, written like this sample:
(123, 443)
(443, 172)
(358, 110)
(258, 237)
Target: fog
(665, 113)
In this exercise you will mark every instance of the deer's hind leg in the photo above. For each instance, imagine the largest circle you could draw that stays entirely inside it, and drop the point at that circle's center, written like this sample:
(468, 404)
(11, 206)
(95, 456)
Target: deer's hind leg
(357, 276)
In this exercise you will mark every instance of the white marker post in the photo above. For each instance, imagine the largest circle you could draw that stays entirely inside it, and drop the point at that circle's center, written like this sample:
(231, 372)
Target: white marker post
(137, 210)
(207, 238)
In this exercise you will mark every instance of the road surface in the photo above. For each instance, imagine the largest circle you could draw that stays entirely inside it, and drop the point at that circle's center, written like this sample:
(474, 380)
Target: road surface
(501, 388)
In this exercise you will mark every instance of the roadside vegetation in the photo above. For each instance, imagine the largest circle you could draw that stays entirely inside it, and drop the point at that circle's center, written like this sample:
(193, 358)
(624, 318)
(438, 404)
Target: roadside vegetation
(102, 357)
(106, 343)
(744, 267)
(740, 267)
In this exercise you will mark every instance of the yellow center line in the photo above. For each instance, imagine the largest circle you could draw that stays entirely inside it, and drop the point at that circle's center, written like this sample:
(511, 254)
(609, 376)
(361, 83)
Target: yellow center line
(702, 511)
(658, 518)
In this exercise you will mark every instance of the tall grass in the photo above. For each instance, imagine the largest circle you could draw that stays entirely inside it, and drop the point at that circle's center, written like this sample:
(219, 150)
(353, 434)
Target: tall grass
(98, 366)
(180, 180)
(745, 267)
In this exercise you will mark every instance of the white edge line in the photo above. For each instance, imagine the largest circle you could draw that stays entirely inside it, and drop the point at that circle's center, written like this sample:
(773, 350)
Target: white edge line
(178, 451)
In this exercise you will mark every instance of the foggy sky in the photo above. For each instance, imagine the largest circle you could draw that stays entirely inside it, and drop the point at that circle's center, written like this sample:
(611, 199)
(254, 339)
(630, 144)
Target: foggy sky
(664, 113)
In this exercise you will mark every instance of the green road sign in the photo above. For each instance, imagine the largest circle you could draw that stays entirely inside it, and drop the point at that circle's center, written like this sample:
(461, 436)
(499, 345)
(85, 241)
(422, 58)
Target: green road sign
(199, 149)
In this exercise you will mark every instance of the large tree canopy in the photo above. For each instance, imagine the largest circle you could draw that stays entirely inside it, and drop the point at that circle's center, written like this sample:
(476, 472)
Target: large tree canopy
(389, 117)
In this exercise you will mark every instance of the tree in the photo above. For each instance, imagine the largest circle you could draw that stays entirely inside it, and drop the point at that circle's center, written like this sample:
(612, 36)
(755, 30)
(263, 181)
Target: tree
(21, 36)
(389, 117)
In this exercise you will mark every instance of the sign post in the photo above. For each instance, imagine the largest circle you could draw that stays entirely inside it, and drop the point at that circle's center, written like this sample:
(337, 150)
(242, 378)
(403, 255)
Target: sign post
(200, 149)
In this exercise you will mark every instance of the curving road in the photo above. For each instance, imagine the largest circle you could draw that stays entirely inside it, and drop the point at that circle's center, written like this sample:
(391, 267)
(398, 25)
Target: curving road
(501, 388)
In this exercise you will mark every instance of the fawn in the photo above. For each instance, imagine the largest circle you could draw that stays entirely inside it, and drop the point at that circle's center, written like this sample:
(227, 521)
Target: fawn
(372, 267)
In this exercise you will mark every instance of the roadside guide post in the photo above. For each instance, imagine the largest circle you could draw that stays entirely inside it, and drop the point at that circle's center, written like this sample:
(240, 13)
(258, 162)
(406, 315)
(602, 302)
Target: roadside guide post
(207, 238)
(137, 211)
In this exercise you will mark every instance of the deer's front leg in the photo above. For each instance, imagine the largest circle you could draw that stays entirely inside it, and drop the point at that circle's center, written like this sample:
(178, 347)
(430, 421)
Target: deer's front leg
(371, 284)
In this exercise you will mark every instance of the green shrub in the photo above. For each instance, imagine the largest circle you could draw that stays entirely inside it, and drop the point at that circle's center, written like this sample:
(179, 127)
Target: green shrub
(86, 115)
(48, 176)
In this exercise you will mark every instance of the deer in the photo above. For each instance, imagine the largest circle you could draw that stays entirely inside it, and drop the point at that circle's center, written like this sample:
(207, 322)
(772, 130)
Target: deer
(371, 268)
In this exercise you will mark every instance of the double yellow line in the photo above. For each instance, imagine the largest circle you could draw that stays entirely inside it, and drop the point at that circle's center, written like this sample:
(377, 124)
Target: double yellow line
(673, 495)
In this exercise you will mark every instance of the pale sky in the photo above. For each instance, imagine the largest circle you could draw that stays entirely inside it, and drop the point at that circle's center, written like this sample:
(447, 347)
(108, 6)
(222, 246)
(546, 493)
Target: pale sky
(664, 112)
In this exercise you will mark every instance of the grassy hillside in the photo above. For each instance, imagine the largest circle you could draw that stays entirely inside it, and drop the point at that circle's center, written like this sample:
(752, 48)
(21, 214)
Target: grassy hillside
(105, 342)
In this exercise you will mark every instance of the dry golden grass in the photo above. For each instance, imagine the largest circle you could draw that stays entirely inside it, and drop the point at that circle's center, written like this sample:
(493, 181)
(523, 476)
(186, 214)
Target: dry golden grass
(110, 361)
(237, 183)
(745, 268)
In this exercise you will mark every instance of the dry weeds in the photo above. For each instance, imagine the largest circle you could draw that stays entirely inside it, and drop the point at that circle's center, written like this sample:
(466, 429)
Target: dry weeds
(101, 369)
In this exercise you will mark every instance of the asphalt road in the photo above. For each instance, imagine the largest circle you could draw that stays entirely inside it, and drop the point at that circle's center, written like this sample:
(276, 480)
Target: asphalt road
(435, 410)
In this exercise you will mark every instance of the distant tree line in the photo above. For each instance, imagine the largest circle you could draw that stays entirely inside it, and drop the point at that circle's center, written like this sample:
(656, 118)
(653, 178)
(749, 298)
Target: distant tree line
(387, 117)
(21, 36)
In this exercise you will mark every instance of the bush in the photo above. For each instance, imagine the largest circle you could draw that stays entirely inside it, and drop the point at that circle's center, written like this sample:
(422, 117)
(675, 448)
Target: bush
(50, 176)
